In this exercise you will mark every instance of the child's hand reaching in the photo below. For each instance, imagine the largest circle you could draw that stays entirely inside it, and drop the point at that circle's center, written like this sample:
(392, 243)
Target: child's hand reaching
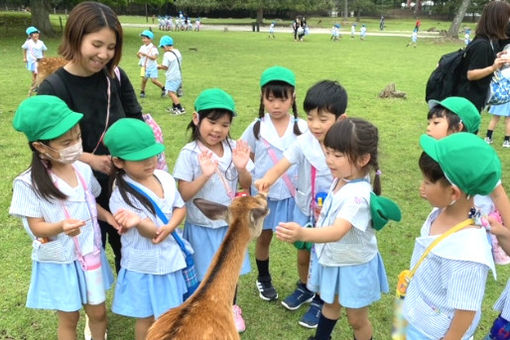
(496, 228)
(71, 227)
(262, 185)
(207, 163)
(289, 232)
(126, 219)
(161, 234)
(241, 154)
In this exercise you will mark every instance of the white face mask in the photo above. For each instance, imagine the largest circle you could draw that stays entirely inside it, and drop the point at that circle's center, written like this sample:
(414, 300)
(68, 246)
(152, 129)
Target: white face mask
(68, 155)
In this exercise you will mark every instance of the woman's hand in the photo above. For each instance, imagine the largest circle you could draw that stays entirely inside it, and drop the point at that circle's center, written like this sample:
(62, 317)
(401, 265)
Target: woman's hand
(208, 164)
(241, 154)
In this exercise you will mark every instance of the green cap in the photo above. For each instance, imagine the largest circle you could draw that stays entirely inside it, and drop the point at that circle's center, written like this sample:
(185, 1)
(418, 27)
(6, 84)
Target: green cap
(463, 108)
(44, 118)
(215, 99)
(278, 73)
(382, 210)
(132, 140)
(466, 160)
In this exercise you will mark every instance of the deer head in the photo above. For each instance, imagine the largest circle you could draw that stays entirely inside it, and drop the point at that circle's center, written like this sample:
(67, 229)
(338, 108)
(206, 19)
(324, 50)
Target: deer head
(249, 209)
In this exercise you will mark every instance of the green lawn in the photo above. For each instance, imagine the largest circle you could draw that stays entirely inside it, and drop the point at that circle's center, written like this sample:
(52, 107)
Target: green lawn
(234, 62)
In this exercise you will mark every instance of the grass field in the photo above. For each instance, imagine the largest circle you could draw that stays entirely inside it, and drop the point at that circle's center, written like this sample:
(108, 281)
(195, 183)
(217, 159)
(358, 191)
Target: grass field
(234, 62)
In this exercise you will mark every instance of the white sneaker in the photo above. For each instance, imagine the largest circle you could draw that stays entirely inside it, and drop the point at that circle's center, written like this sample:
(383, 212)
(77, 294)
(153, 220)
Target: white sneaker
(488, 140)
(506, 144)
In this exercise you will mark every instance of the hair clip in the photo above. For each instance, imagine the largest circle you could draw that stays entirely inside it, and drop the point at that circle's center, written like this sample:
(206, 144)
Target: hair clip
(473, 213)
(296, 120)
(258, 120)
(378, 172)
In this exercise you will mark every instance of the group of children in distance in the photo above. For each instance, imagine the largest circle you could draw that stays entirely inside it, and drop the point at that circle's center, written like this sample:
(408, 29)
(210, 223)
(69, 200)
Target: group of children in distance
(318, 177)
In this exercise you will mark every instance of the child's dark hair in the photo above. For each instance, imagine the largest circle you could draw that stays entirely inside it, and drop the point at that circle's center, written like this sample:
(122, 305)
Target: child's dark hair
(431, 169)
(89, 17)
(326, 95)
(41, 179)
(453, 119)
(278, 89)
(212, 114)
(117, 178)
(356, 137)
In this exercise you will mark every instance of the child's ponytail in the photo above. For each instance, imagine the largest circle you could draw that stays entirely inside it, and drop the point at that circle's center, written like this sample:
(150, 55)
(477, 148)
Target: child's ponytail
(297, 132)
(376, 183)
(256, 126)
(43, 184)
(117, 178)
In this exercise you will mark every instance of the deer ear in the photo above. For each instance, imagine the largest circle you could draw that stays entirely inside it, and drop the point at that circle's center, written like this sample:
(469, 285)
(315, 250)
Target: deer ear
(212, 210)
(258, 213)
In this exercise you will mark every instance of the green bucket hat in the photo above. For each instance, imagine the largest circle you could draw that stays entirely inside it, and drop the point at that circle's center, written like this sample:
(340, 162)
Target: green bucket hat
(132, 140)
(466, 160)
(44, 118)
(382, 210)
(215, 98)
(463, 108)
(278, 73)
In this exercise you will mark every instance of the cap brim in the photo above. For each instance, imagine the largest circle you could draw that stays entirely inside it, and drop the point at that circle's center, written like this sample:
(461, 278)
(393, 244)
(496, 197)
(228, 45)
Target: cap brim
(150, 151)
(429, 145)
(63, 126)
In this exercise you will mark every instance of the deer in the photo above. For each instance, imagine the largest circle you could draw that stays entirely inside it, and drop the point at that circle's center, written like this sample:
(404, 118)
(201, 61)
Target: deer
(45, 67)
(207, 314)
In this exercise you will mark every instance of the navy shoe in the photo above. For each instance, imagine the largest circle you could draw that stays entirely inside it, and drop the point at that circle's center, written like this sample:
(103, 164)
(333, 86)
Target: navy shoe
(311, 318)
(266, 289)
(299, 297)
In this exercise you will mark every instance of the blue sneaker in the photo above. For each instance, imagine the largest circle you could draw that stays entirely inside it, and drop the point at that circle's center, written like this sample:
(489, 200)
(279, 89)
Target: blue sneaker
(299, 297)
(311, 318)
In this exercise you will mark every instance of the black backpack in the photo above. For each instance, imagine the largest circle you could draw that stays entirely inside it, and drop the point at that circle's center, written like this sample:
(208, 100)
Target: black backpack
(444, 79)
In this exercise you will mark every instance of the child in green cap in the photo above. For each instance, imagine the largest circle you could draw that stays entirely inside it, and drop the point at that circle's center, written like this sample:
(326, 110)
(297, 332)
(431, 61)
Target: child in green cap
(212, 166)
(275, 129)
(444, 297)
(152, 261)
(55, 198)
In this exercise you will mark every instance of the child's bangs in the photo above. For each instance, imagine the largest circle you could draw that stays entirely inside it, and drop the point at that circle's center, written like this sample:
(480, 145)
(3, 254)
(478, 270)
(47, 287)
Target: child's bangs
(277, 89)
(215, 114)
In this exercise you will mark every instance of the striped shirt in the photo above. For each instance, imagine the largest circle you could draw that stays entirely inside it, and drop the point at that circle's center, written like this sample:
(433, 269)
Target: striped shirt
(358, 245)
(139, 254)
(187, 168)
(26, 203)
(441, 285)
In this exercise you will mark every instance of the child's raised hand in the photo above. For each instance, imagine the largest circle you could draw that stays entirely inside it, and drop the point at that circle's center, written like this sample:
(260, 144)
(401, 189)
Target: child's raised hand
(208, 164)
(289, 232)
(241, 154)
(126, 219)
(161, 234)
(71, 227)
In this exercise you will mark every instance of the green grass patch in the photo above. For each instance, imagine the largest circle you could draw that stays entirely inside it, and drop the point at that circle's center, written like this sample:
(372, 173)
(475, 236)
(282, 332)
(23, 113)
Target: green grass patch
(234, 61)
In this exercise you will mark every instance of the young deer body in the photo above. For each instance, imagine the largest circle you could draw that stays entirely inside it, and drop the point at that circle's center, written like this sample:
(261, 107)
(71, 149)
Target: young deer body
(45, 67)
(207, 314)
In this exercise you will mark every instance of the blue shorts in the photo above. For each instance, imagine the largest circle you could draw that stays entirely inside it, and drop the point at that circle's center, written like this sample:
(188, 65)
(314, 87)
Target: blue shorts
(151, 73)
(172, 85)
(32, 66)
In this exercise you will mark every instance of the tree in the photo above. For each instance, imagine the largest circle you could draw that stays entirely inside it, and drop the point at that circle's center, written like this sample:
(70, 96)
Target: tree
(40, 10)
(453, 32)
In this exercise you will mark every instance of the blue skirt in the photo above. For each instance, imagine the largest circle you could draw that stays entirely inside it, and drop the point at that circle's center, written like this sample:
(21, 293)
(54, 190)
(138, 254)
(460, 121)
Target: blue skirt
(356, 286)
(140, 295)
(500, 110)
(279, 211)
(206, 242)
(61, 286)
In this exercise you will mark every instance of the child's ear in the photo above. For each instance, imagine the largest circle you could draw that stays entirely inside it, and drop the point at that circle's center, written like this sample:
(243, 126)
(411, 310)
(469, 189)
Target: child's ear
(39, 147)
(363, 160)
(456, 193)
(341, 117)
(196, 118)
(119, 163)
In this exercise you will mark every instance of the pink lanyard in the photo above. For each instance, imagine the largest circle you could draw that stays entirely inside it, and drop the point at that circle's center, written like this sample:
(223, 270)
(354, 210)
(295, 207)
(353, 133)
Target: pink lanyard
(147, 56)
(275, 160)
(228, 189)
(92, 212)
(313, 204)
(108, 94)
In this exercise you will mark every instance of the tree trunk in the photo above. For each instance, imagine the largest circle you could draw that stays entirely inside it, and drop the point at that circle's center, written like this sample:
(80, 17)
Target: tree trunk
(41, 17)
(346, 9)
(453, 32)
(260, 15)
